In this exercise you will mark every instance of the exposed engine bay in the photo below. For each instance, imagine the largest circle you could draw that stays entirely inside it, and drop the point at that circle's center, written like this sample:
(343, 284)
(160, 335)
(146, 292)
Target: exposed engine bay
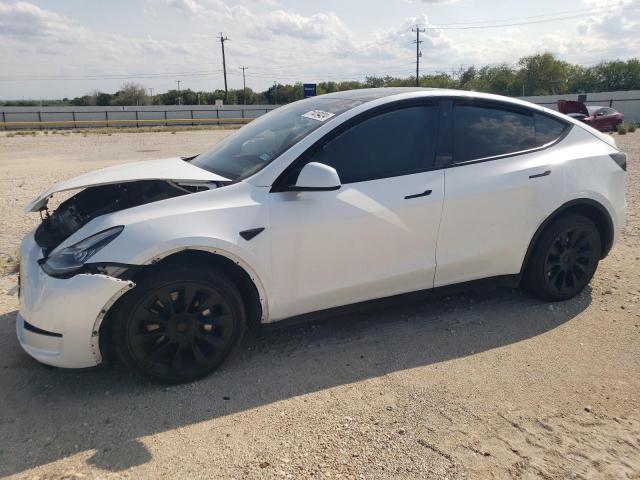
(92, 202)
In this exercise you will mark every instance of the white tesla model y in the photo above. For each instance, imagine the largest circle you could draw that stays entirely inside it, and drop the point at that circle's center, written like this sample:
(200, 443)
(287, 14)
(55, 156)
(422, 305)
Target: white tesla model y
(325, 202)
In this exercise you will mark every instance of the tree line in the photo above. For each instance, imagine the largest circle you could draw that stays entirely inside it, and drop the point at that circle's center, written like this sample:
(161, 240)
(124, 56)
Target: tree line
(540, 74)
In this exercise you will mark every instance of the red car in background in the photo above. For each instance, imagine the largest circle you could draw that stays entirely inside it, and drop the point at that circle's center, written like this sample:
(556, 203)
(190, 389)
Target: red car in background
(605, 119)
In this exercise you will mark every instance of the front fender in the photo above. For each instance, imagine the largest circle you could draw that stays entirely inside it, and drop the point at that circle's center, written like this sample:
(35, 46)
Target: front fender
(208, 221)
(248, 266)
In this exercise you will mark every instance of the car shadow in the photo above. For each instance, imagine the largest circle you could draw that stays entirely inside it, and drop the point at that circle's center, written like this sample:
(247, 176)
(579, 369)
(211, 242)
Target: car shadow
(48, 414)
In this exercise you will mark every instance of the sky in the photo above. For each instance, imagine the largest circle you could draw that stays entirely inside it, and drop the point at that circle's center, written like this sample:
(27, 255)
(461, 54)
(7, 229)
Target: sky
(67, 48)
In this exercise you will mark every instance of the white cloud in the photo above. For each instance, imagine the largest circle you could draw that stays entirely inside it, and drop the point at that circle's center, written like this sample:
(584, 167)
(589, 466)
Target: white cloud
(620, 22)
(22, 20)
(192, 7)
(314, 27)
(43, 31)
(286, 45)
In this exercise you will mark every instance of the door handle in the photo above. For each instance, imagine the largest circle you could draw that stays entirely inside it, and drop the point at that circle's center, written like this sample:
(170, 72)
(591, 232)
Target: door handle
(416, 195)
(543, 174)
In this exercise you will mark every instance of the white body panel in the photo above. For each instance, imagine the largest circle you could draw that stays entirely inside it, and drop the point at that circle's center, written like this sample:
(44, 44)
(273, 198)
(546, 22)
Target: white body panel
(361, 242)
(503, 207)
(322, 249)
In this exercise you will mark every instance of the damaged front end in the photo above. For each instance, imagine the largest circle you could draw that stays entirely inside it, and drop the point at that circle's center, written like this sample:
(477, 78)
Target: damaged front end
(113, 189)
(64, 296)
(92, 202)
(60, 318)
(88, 204)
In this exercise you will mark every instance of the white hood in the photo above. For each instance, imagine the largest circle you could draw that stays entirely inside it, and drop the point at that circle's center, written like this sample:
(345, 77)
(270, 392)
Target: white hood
(174, 169)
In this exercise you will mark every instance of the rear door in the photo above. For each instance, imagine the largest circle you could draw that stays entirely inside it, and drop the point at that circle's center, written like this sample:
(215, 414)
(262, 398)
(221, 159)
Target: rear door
(376, 235)
(498, 187)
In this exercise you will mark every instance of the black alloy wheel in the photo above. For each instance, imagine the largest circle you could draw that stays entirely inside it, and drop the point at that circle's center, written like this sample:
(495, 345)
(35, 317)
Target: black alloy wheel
(565, 258)
(568, 260)
(179, 328)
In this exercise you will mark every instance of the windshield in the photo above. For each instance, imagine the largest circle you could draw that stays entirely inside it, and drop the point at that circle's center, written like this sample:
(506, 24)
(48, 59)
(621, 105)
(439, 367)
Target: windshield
(260, 142)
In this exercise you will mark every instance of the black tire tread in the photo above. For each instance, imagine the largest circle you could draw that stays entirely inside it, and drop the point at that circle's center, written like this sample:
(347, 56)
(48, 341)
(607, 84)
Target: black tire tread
(534, 280)
(188, 271)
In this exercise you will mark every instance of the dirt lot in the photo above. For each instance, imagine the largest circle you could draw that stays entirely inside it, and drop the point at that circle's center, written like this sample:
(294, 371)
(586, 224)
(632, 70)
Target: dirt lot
(482, 385)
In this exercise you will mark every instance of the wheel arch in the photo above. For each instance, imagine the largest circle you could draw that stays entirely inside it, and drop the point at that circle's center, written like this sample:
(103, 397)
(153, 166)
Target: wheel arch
(593, 210)
(239, 272)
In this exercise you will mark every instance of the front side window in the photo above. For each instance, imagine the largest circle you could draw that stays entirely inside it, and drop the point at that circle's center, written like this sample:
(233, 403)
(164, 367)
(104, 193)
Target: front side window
(390, 144)
(487, 131)
(260, 142)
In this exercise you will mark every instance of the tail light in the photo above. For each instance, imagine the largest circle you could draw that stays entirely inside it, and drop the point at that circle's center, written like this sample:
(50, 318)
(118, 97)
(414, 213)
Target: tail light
(621, 159)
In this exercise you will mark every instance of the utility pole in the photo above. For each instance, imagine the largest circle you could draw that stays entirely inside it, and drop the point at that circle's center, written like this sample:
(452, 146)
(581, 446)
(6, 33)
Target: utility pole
(275, 87)
(244, 85)
(224, 66)
(417, 41)
(179, 95)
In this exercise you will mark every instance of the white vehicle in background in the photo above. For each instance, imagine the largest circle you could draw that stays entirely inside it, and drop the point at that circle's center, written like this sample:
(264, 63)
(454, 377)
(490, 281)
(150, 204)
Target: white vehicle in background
(324, 202)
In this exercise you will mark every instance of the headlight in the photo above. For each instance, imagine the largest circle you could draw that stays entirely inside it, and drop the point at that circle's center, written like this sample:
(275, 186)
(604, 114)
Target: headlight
(71, 259)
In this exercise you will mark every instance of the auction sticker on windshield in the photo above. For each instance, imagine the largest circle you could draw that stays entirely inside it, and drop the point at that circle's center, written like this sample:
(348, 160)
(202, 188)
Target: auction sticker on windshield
(319, 115)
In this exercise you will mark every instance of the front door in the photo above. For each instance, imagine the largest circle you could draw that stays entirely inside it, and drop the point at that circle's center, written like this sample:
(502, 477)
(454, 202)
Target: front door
(376, 235)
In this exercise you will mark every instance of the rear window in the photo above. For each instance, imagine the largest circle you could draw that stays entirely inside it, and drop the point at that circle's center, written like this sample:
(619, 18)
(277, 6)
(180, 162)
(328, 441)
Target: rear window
(547, 129)
(487, 131)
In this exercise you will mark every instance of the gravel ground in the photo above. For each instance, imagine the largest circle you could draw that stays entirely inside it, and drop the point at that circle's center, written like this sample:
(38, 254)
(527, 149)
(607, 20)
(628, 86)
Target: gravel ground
(487, 384)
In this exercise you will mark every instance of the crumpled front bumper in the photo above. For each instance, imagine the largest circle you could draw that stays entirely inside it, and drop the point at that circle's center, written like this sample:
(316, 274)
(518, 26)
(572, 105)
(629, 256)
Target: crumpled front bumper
(59, 318)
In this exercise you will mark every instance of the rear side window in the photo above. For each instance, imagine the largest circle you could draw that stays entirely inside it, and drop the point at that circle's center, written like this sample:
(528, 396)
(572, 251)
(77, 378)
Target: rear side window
(547, 129)
(486, 131)
(399, 142)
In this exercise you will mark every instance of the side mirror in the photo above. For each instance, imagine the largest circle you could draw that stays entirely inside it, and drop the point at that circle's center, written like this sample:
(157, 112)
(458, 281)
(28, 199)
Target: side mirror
(317, 177)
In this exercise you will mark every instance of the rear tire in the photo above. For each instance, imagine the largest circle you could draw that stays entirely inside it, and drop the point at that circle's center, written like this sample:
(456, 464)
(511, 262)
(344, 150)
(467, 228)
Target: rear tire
(564, 258)
(178, 324)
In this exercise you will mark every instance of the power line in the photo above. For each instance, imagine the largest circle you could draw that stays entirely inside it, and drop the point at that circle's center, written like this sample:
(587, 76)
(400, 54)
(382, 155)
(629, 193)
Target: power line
(475, 27)
(553, 14)
(417, 41)
(279, 75)
(500, 25)
(107, 76)
(332, 77)
(203, 74)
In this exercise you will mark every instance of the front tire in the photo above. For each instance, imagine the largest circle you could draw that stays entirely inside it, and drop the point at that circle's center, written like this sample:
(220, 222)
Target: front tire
(564, 258)
(179, 324)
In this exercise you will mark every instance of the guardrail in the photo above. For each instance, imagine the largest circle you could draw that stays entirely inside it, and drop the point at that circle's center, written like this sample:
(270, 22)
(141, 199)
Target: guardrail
(126, 122)
(18, 118)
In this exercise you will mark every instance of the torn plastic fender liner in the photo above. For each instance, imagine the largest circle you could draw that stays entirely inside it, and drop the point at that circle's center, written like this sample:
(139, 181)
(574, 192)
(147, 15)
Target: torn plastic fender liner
(95, 333)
